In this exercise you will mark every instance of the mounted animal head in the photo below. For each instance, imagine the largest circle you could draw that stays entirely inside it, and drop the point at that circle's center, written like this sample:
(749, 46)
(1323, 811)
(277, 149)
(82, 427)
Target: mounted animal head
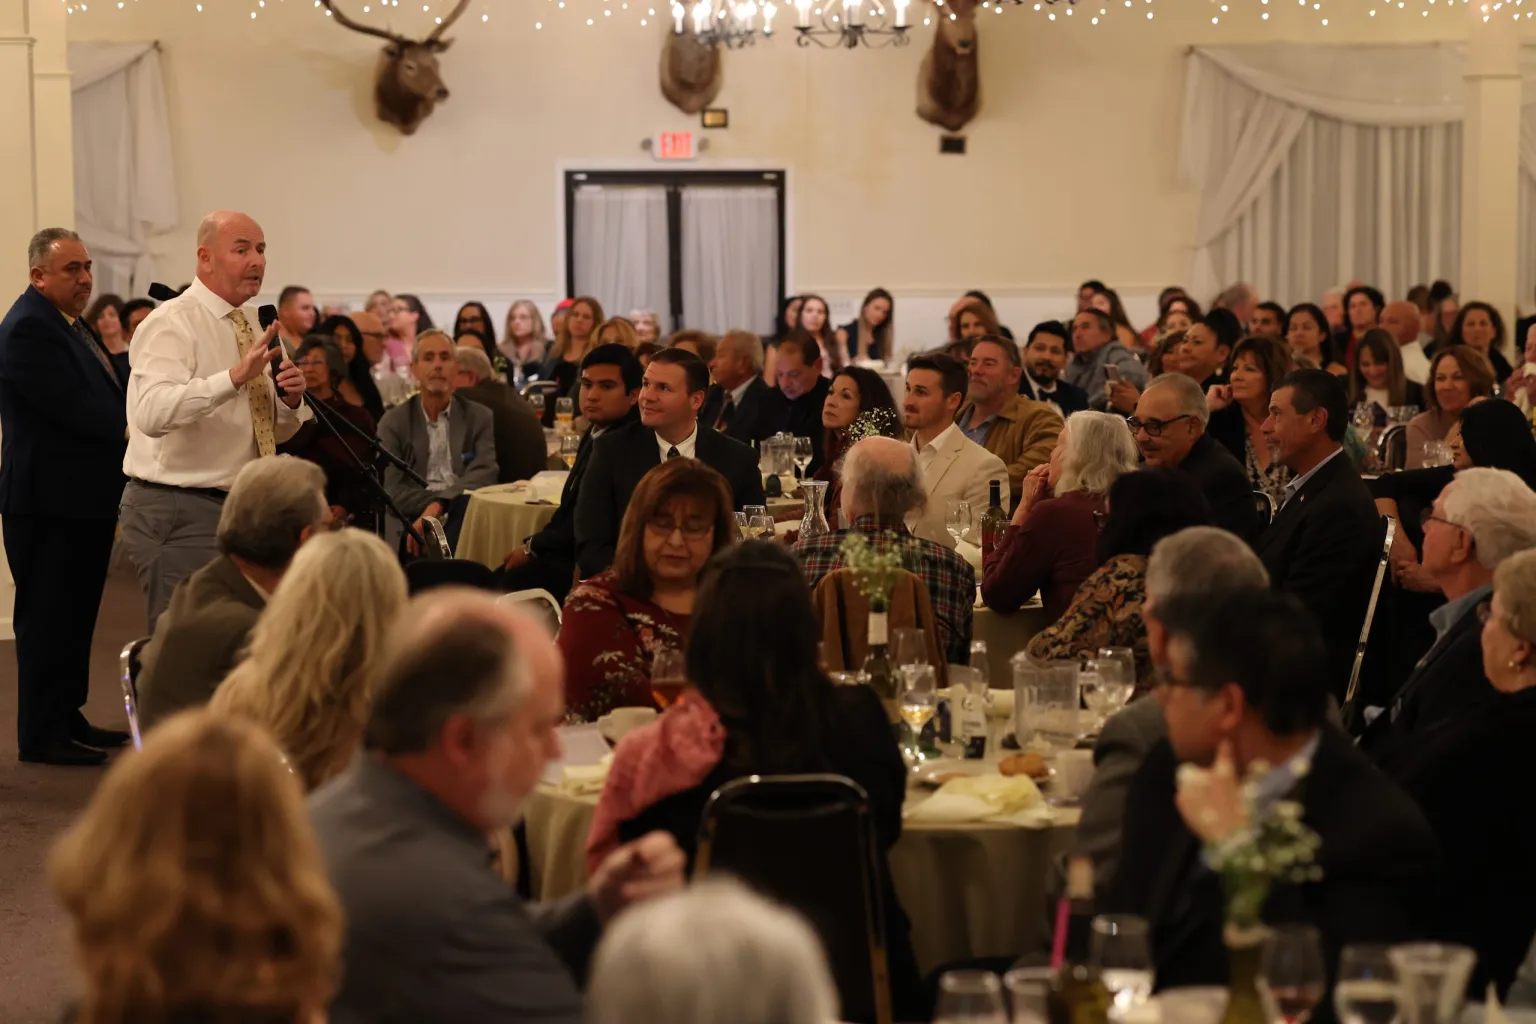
(691, 73)
(949, 81)
(407, 86)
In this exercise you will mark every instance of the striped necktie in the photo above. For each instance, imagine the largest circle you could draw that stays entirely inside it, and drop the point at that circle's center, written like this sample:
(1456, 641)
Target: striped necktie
(84, 334)
(258, 389)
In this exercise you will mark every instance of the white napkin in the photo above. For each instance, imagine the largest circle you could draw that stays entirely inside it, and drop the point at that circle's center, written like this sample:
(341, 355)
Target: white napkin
(982, 798)
(585, 779)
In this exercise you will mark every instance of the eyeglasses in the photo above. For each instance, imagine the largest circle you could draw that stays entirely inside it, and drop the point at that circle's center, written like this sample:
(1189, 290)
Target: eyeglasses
(693, 529)
(1428, 516)
(1154, 428)
(311, 362)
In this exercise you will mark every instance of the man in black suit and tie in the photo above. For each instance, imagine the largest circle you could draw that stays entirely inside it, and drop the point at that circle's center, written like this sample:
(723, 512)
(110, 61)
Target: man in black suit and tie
(609, 385)
(1244, 687)
(1045, 357)
(63, 432)
(671, 394)
(1325, 541)
(794, 407)
(735, 405)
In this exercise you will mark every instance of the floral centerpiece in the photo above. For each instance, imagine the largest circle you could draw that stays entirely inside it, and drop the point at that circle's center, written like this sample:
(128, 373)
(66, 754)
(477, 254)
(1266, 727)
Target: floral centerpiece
(877, 562)
(877, 422)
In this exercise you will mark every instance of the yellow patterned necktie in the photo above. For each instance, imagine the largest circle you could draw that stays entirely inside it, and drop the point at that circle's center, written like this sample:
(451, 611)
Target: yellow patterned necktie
(258, 389)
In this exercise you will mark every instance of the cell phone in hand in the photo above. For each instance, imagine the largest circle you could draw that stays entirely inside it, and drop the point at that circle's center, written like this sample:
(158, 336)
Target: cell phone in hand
(1112, 374)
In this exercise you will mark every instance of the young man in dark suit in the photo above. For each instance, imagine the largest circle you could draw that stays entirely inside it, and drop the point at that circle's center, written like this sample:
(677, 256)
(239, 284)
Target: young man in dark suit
(1244, 686)
(1325, 541)
(1045, 357)
(65, 429)
(671, 394)
(736, 402)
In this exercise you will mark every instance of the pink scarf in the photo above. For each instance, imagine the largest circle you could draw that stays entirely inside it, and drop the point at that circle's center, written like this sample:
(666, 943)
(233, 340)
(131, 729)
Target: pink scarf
(668, 756)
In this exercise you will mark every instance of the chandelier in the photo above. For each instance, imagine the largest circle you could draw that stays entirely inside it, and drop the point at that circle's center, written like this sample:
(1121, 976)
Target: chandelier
(828, 23)
(730, 23)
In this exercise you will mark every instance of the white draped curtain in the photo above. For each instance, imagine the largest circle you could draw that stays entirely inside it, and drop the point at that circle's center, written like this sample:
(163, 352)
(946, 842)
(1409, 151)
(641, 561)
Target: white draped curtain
(125, 176)
(620, 248)
(730, 258)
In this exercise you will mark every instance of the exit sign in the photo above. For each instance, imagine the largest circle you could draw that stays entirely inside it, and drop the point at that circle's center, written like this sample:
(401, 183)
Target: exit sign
(674, 146)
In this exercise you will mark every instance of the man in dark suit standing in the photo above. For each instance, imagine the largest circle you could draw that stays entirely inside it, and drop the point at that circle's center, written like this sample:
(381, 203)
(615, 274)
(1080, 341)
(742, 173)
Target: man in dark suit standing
(1325, 541)
(736, 401)
(794, 407)
(671, 394)
(1045, 357)
(610, 386)
(1244, 686)
(1169, 426)
(63, 432)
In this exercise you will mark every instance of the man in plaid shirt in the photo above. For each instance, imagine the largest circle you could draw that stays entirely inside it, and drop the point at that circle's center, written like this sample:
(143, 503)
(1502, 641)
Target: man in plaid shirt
(881, 484)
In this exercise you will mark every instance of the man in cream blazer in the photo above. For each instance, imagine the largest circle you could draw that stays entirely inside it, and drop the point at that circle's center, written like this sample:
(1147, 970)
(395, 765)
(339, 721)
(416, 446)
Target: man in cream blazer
(955, 468)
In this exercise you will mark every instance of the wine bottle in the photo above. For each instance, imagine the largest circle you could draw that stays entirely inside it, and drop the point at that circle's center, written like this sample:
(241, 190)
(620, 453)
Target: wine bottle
(877, 670)
(976, 706)
(993, 522)
(1078, 995)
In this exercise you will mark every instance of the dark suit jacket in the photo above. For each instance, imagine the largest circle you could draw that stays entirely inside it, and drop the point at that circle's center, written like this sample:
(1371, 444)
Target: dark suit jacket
(1224, 482)
(433, 933)
(472, 438)
(748, 422)
(520, 450)
(620, 459)
(63, 421)
(558, 538)
(1324, 546)
(1069, 398)
(801, 417)
(198, 640)
(1377, 856)
(1227, 429)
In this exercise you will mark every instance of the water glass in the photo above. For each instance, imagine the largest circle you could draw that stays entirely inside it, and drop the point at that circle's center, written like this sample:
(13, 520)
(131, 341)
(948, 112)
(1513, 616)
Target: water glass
(1432, 980)
(1122, 954)
(1291, 975)
(565, 412)
(1367, 990)
(1029, 993)
(957, 519)
(1047, 704)
(537, 401)
(970, 997)
(909, 647)
(754, 510)
(1436, 453)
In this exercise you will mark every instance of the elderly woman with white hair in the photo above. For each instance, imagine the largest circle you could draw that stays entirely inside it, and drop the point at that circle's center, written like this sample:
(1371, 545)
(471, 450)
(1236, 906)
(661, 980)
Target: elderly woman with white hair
(1049, 546)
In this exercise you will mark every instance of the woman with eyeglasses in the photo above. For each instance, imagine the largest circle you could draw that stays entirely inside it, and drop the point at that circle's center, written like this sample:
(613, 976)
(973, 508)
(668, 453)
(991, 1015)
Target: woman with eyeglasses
(616, 621)
(346, 491)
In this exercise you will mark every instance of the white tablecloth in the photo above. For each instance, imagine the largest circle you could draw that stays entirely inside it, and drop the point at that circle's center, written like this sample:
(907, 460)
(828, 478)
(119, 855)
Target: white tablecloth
(496, 521)
(1006, 635)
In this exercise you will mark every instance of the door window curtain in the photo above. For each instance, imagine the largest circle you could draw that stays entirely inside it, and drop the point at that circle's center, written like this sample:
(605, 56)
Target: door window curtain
(620, 248)
(730, 258)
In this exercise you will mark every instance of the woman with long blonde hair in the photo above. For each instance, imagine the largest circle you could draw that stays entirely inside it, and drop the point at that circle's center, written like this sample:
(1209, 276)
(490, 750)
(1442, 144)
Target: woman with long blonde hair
(316, 651)
(574, 338)
(194, 885)
(524, 339)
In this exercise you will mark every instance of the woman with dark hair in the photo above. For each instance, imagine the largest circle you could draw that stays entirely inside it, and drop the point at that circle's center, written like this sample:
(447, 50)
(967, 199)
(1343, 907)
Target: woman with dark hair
(1458, 376)
(1175, 312)
(1143, 508)
(760, 705)
(357, 387)
(869, 335)
(788, 320)
(859, 405)
(474, 316)
(319, 359)
(816, 320)
(407, 318)
(1378, 374)
(1306, 331)
(106, 318)
(970, 319)
(1240, 407)
(472, 336)
(1480, 326)
(1107, 300)
(1362, 311)
(616, 621)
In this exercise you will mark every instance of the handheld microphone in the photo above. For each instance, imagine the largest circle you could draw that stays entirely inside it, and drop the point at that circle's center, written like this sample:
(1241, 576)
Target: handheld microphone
(162, 292)
(267, 315)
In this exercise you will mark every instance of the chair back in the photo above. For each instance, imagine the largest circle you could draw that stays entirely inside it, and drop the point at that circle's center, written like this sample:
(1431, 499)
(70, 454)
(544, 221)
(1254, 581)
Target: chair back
(436, 538)
(540, 602)
(1392, 447)
(808, 841)
(1265, 506)
(1370, 614)
(128, 675)
(422, 575)
(540, 387)
(844, 616)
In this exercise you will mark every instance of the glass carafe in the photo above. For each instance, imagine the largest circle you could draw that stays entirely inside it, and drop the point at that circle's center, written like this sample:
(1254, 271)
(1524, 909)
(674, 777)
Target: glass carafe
(814, 523)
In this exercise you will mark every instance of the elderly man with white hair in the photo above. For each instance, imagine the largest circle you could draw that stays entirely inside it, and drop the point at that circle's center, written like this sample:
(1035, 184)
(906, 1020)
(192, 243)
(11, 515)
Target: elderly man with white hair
(881, 485)
(461, 728)
(1481, 518)
(520, 447)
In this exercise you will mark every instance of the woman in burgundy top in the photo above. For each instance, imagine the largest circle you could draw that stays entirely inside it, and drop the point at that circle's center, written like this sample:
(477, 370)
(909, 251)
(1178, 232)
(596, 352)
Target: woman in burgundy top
(1050, 543)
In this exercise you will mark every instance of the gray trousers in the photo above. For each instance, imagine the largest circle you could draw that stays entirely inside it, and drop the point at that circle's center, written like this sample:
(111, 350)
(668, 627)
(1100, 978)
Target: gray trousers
(168, 535)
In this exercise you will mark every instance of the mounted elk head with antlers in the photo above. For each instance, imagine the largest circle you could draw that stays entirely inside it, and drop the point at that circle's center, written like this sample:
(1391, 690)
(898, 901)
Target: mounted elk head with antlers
(408, 86)
(949, 82)
(690, 72)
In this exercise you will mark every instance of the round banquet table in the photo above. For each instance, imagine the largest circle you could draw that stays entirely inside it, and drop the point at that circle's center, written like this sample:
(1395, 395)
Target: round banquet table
(972, 890)
(496, 521)
(1006, 635)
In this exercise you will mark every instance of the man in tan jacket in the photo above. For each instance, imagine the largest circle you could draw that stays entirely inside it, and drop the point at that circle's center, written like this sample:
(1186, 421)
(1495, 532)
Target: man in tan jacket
(1018, 430)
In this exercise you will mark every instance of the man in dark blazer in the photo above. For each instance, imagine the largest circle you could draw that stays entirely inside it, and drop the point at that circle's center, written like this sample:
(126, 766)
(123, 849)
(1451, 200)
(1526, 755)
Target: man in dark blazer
(1045, 357)
(671, 394)
(736, 403)
(520, 448)
(794, 407)
(610, 386)
(1325, 541)
(1244, 685)
(1169, 425)
(63, 432)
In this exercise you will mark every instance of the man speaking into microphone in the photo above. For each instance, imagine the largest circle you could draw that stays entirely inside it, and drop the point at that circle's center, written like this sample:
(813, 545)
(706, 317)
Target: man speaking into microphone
(201, 404)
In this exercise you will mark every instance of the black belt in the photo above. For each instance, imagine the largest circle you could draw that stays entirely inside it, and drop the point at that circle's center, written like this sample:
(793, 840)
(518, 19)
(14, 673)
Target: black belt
(211, 493)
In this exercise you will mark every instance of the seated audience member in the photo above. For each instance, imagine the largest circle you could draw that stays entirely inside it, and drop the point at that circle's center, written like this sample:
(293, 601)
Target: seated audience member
(1097, 354)
(882, 488)
(1520, 388)
(1239, 408)
(193, 885)
(955, 468)
(1378, 375)
(1108, 301)
(763, 964)
(1483, 517)
(1143, 507)
(1049, 545)
(1480, 327)
(699, 343)
(340, 455)
(617, 330)
(1325, 541)
(575, 323)
(1268, 320)
(1403, 321)
(671, 394)
(645, 351)
(1169, 425)
(1199, 560)
(133, 313)
(275, 505)
(1045, 359)
(610, 385)
(858, 405)
(1310, 339)
(1207, 348)
(1362, 306)
(647, 325)
(759, 706)
(462, 724)
(524, 341)
(477, 340)
(737, 400)
(447, 439)
(969, 318)
(1240, 299)
(1245, 686)
(1018, 430)
(1458, 376)
(308, 675)
(868, 336)
(520, 448)
(794, 407)
(616, 622)
(355, 334)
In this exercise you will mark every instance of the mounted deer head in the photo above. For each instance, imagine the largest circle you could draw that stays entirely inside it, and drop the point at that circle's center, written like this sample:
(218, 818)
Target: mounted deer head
(949, 82)
(690, 72)
(408, 86)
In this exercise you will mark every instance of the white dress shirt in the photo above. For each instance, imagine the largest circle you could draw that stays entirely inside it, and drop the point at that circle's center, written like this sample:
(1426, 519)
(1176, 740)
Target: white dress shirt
(684, 447)
(188, 425)
(926, 453)
(1415, 363)
(440, 475)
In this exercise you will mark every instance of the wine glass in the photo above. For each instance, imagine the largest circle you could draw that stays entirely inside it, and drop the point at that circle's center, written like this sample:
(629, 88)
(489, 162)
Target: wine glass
(1367, 991)
(804, 453)
(565, 412)
(919, 700)
(760, 527)
(957, 519)
(537, 401)
(1291, 976)
(969, 997)
(1029, 993)
(570, 444)
(754, 510)
(742, 522)
(668, 676)
(1120, 951)
(910, 647)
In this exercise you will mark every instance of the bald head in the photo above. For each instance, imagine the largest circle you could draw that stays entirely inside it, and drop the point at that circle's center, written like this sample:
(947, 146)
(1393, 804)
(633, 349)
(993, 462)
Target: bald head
(231, 256)
(1403, 319)
(881, 477)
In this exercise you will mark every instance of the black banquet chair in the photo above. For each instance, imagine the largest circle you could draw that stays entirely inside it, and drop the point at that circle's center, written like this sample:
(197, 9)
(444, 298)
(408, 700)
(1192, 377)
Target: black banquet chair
(765, 830)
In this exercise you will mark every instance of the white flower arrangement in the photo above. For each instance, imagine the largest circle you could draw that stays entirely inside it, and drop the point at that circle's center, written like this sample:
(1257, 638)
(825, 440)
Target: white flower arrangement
(877, 422)
(875, 565)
